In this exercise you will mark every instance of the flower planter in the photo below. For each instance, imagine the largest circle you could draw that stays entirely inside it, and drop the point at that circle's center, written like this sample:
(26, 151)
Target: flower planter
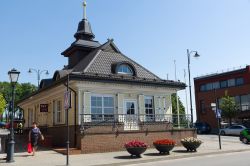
(164, 149)
(136, 151)
(136, 148)
(191, 144)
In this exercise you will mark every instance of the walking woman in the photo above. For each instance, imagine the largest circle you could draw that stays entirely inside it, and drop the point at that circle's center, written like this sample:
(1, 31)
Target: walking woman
(34, 135)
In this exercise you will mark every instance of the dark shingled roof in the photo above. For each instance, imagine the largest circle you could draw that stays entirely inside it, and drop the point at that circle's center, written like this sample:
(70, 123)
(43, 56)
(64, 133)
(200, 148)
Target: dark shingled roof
(100, 61)
(98, 65)
(45, 83)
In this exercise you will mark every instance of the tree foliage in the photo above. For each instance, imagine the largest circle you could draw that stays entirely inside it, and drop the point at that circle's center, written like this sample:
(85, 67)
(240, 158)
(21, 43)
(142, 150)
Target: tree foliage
(174, 105)
(2, 104)
(22, 90)
(229, 108)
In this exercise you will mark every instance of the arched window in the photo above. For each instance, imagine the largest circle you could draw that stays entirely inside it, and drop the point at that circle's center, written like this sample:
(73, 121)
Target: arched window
(125, 69)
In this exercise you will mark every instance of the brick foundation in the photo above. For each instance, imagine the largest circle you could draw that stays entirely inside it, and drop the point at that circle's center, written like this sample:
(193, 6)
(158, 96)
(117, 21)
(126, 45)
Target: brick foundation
(114, 141)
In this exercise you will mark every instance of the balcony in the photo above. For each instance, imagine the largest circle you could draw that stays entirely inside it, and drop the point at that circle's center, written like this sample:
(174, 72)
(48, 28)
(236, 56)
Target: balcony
(134, 121)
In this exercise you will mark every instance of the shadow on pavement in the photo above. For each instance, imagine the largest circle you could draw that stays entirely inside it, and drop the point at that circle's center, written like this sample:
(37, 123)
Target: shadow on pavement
(156, 154)
(181, 151)
(126, 157)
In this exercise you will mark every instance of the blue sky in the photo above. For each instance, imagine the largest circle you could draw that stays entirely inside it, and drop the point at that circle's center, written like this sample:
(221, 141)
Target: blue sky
(153, 33)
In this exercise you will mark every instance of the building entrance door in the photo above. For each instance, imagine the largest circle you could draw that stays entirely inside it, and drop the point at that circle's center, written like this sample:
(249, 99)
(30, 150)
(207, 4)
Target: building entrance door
(130, 115)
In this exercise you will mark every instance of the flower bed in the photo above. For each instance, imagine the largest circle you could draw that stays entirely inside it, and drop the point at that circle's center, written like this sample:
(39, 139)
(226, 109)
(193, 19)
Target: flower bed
(191, 143)
(164, 146)
(136, 148)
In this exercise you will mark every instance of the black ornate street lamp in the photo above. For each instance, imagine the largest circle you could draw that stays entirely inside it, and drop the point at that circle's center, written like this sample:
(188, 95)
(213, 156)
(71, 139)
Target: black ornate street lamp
(13, 76)
(196, 55)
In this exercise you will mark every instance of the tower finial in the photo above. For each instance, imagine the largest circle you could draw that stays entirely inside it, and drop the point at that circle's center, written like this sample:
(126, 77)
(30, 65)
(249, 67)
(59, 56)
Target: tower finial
(84, 9)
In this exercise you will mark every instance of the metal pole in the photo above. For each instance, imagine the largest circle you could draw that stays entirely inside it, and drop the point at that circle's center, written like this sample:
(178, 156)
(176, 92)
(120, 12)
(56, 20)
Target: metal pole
(11, 144)
(178, 111)
(218, 118)
(38, 78)
(67, 121)
(186, 94)
(190, 91)
(175, 76)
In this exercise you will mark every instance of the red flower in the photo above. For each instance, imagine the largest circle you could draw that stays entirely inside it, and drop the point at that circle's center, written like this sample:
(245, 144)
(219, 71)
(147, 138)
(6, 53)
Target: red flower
(135, 143)
(165, 142)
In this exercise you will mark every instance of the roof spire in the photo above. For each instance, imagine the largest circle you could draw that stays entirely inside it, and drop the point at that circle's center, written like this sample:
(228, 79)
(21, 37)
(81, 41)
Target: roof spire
(84, 9)
(84, 31)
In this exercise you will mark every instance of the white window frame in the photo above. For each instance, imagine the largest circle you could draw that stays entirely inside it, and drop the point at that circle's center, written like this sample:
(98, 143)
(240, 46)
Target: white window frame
(102, 107)
(150, 117)
(128, 67)
(57, 112)
(125, 106)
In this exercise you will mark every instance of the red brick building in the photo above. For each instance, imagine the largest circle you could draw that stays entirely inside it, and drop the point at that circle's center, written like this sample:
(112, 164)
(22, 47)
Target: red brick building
(211, 87)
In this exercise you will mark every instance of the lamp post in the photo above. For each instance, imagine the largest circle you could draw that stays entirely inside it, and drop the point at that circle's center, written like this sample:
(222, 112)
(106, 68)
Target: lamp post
(196, 55)
(39, 73)
(13, 75)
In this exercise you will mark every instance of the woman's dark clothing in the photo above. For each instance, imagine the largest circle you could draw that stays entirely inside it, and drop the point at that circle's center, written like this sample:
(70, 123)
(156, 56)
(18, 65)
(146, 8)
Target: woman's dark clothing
(35, 133)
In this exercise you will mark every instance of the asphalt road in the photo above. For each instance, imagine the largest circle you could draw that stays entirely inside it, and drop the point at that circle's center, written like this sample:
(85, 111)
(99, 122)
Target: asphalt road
(229, 159)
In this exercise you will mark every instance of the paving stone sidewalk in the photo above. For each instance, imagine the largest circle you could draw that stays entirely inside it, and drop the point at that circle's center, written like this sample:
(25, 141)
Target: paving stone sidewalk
(51, 158)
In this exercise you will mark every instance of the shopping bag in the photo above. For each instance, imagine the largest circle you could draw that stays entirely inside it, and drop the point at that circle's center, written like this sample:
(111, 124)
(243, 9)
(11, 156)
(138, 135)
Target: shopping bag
(29, 148)
(42, 137)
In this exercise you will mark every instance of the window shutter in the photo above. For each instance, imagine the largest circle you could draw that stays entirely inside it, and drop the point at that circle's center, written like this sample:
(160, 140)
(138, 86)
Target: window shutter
(168, 104)
(86, 106)
(120, 100)
(142, 107)
(157, 103)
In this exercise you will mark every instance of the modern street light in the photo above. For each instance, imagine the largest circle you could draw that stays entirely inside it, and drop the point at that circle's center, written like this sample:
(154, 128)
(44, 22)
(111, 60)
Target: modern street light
(196, 55)
(39, 73)
(13, 75)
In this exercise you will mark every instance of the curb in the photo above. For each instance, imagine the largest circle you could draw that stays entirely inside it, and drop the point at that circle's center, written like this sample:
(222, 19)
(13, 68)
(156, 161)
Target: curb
(172, 158)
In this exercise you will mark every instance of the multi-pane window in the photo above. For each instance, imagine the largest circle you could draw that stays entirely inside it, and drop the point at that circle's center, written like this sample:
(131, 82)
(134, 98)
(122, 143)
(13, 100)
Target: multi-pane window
(239, 81)
(244, 102)
(231, 82)
(58, 112)
(125, 69)
(149, 108)
(203, 88)
(223, 84)
(130, 108)
(209, 86)
(216, 85)
(102, 107)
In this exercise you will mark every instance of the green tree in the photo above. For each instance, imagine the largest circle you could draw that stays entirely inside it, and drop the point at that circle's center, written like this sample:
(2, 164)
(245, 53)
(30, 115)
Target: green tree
(2, 104)
(229, 108)
(174, 105)
(22, 90)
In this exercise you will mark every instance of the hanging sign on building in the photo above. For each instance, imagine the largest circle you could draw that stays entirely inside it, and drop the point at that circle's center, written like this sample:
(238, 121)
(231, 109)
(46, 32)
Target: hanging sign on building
(44, 107)
(67, 100)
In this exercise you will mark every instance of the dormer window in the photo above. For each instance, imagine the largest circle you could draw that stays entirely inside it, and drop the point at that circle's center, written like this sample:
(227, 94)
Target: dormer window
(125, 69)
